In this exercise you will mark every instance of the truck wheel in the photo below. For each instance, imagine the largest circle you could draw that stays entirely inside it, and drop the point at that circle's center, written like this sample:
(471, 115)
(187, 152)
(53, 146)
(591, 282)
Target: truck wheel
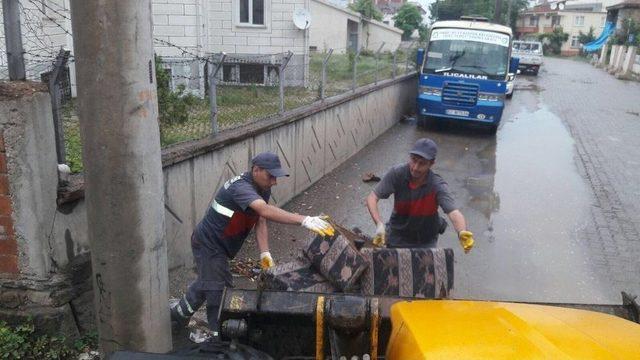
(535, 72)
(509, 96)
(493, 129)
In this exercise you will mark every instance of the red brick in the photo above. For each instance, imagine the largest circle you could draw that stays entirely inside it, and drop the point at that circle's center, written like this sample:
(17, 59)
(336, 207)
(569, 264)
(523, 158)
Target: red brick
(8, 264)
(3, 163)
(8, 247)
(4, 184)
(6, 226)
(5, 205)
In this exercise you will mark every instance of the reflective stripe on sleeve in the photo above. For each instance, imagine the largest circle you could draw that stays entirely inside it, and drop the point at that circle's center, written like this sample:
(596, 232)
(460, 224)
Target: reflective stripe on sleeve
(221, 209)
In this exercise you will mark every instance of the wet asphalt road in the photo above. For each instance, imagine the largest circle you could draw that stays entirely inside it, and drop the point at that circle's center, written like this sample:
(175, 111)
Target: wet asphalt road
(551, 198)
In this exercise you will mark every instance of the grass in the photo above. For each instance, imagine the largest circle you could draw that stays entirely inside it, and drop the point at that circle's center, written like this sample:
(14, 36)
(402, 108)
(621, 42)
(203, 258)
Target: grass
(239, 105)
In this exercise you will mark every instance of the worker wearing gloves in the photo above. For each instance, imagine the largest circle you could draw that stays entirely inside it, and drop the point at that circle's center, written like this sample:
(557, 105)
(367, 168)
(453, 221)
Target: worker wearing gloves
(238, 206)
(418, 192)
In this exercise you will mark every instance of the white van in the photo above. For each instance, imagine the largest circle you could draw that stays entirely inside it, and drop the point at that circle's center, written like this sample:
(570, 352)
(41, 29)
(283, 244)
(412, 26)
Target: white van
(530, 54)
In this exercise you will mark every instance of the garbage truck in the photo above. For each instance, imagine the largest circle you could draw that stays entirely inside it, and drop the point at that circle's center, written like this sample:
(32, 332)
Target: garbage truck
(464, 72)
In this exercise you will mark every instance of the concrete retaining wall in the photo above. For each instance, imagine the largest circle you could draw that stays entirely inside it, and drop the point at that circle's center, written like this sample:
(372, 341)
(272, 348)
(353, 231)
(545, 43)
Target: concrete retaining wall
(311, 142)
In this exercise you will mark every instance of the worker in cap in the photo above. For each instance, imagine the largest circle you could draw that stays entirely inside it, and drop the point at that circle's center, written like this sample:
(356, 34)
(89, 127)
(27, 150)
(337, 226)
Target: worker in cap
(241, 204)
(418, 192)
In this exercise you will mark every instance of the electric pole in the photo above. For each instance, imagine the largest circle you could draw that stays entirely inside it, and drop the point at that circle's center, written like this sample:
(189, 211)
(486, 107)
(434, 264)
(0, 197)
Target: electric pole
(498, 10)
(124, 196)
(13, 39)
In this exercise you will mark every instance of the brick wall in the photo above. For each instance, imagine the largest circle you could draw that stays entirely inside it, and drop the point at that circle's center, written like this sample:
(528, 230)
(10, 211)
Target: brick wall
(8, 245)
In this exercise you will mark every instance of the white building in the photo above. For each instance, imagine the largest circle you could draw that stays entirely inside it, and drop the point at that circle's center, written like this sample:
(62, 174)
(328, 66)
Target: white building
(255, 35)
(573, 18)
(342, 30)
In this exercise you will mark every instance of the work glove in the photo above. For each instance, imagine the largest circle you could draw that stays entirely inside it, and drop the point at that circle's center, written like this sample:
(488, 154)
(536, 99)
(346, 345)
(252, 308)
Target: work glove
(266, 261)
(379, 240)
(466, 240)
(318, 226)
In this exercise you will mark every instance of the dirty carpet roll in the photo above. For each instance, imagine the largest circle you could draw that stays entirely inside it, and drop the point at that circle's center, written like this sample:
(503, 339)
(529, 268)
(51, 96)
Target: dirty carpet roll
(336, 259)
(297, 275)
(419, 272)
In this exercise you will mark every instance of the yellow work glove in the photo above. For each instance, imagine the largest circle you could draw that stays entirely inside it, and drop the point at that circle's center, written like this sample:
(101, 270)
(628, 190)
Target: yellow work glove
(466, 240)
(379, 240)
(318, 226)
(266, 261)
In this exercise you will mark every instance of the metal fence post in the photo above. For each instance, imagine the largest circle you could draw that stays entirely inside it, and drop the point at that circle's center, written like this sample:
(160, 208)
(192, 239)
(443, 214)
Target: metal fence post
(323, 81)
(406, 70)
(213, 101)
(354, 82)
(283, 65)
(395, 61)
(378, 58)
(13, 39)
(54, 92)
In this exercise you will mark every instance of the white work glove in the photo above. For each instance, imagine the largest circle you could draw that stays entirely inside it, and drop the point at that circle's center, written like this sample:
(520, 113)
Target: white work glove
(317, 225)
(381, 236)
(266, 261)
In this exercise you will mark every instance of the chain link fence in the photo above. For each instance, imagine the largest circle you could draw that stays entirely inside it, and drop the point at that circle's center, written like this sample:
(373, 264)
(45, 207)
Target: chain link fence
(202, 95)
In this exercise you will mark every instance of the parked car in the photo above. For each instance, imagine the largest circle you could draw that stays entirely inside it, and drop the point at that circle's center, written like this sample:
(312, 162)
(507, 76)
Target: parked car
(510, 80)
(530, 54)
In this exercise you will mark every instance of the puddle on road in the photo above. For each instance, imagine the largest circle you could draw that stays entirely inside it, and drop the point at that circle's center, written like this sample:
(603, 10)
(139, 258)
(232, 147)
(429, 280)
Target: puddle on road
(536, 206)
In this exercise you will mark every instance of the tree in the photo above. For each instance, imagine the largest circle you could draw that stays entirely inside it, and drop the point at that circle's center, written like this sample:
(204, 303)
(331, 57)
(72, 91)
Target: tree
(586, 38)
(556, 39)
(367, 9)
(453, 9)
(408, 19)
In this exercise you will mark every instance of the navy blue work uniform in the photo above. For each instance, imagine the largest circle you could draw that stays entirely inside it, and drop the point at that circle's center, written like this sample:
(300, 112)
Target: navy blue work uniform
(415, 221)
(217, 239)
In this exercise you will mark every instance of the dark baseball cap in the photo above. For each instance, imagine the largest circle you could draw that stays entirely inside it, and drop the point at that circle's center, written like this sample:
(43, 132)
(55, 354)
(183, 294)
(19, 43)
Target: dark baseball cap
(270, 162)
(425, 148)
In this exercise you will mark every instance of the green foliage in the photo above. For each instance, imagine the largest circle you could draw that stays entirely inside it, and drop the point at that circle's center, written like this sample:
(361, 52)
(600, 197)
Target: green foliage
(367, 8)
(588, 37)
(22, 342)
(629, 27)
(555, 40)
(424, 32)
(408, 19)
(173, 106)
(454, 9)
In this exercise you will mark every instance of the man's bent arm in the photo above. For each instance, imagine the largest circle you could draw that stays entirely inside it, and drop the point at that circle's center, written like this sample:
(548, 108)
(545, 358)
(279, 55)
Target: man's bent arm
(458, 221)
(262, 235)
(372, 205)
(270, 212)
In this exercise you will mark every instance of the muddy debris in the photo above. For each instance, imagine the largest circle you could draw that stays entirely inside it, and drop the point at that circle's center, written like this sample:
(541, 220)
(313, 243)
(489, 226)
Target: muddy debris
(247, 267)
(370, 177)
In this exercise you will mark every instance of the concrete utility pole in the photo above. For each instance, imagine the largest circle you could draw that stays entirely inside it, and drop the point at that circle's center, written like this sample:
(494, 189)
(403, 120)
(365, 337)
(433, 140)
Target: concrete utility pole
(13, 39)
(510, 3)
(117, 98)
(498, 10)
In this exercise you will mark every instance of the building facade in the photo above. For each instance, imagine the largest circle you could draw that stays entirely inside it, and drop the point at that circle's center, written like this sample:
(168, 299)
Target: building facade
(572, 19)
(257, 36)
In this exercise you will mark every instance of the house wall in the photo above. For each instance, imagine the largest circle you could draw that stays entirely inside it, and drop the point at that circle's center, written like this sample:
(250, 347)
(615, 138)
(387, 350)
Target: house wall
(44, 31)
(375, 33)
(329, 27)
(277, 36)
(632, 13)
(568, 24)
(595, 20)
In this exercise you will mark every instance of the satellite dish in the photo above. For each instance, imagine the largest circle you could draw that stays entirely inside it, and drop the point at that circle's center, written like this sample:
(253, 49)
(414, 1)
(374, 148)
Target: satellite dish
(553, 6)
(302, 19)
(561, 6)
